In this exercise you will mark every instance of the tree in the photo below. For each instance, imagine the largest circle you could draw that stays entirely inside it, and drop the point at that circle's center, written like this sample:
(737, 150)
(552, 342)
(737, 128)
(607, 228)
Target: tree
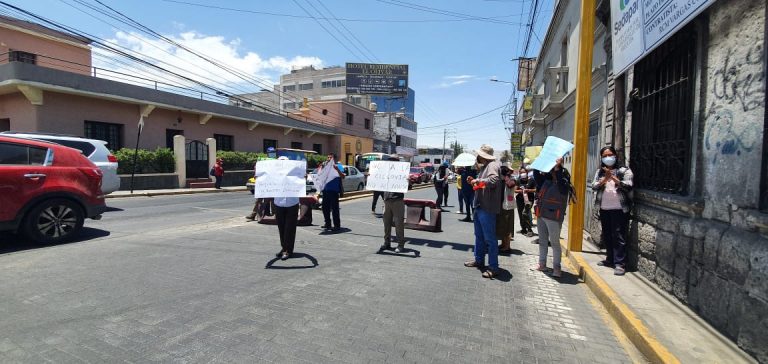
(457, 148)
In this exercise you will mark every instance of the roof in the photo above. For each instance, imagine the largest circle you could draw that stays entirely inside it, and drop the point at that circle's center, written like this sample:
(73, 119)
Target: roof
(37, 28)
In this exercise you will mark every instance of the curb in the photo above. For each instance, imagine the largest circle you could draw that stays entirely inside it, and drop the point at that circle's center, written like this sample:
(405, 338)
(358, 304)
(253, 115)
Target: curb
(625, 318)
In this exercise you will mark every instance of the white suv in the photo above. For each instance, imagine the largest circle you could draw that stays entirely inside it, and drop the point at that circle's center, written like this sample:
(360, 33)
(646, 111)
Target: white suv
(93, 149)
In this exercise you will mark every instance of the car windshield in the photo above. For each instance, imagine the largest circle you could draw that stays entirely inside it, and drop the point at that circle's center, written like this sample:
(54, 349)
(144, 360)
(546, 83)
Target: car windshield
(415, 170)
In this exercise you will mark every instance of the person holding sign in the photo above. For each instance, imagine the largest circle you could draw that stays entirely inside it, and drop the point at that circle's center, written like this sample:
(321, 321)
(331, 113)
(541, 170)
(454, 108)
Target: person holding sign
(487, 204)
(554, 192)
(394, 205)
(283, 180)
(328, 181)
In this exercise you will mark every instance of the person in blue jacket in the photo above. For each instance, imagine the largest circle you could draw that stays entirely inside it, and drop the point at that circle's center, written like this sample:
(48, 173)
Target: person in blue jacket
(331, 193)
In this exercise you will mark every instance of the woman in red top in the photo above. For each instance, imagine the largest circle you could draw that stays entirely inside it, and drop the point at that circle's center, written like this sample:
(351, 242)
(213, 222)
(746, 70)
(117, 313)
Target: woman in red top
(218, 172)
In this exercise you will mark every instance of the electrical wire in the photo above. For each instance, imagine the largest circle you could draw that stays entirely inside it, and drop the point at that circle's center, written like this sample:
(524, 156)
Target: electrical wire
(465, 119)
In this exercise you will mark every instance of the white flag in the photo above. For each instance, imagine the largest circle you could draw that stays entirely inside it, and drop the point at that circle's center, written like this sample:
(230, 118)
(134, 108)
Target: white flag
(141, 123)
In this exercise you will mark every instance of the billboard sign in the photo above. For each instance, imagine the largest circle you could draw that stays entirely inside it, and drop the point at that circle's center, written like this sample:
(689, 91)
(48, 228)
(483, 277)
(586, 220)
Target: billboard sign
(517, 141)
(377, 79)
(525, 69)
(639, 26)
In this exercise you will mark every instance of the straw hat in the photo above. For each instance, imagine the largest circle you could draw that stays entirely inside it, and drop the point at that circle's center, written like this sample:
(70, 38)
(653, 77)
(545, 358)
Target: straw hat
(486, 152)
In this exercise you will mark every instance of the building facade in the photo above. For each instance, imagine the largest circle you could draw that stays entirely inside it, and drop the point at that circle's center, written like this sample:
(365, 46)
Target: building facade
(395, 133)
(689, 118)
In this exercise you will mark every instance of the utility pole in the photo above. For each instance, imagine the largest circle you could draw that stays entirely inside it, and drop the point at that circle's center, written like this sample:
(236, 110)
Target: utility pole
(581, 124)
(445, 136)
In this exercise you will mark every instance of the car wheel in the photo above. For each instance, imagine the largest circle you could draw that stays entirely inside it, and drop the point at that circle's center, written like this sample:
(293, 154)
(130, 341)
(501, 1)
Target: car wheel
(360, 187)
(54, 221)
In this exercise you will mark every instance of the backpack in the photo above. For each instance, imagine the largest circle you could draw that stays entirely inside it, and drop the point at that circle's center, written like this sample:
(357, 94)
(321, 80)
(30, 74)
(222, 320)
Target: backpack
(550, 203)
(212, 172)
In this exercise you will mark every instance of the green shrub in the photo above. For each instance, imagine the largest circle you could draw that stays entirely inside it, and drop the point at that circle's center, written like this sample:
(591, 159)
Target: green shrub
(314, 160)
(161, 160)
(234, 161)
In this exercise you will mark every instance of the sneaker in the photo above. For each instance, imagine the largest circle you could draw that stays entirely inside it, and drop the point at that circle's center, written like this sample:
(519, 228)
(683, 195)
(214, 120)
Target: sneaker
(619, 271)
(326, 227)
(399, 249)
(460, 212)
(557, 272)
(285, 256)
(386, 246)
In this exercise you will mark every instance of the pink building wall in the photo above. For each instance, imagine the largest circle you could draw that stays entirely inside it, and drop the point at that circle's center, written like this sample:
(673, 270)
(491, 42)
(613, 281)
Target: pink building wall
(75, 58)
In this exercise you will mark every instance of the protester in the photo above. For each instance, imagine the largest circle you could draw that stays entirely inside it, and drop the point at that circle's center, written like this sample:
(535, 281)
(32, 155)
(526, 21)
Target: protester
(554, 191)
(487, 205)
(262, 206)
(286, 214)
(613, 183)
(218, 172)
(505, 222)
(394, 212)
(331, 192)
(446, 184)
(526, 187)
(440, 179)
(467, 191)
(460, 195)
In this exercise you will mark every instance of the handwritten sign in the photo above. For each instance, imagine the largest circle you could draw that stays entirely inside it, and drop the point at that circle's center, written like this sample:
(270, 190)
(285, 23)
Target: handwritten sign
(554, 148)
(388, 176)
(280, 178)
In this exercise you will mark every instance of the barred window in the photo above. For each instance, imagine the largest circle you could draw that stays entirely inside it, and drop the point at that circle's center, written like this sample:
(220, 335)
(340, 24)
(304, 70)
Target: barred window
(224, 142)
(662, 115)
(108, 132)
(317, 148)
(305, 86)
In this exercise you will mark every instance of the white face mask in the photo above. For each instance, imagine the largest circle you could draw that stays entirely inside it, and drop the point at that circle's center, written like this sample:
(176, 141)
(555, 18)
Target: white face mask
(609, 160)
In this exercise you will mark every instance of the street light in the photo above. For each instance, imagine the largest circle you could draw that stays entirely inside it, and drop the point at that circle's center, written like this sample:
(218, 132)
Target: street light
(494, 79)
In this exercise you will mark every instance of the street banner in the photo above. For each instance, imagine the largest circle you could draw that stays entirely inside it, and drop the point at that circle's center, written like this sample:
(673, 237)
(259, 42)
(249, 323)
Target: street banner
(525, 72)
(388, 176)
(517, 140)
(325, 173)
(639, 26)
(554, 148)
(378, 79)
(280, 178)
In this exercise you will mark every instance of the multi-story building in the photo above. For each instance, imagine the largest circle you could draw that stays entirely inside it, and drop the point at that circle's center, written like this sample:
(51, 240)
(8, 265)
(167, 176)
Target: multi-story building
(395, 133)
(435, 156)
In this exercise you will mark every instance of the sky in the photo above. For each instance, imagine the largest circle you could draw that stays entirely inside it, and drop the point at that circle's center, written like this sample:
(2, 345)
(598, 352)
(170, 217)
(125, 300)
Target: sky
(453, 47)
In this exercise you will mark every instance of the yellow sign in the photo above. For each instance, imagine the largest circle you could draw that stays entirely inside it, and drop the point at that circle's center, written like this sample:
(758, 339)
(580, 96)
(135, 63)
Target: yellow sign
(532, 152)
(528, 103)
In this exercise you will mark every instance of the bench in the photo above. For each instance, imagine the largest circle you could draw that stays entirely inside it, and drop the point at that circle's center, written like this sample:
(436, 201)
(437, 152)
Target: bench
(415, 215)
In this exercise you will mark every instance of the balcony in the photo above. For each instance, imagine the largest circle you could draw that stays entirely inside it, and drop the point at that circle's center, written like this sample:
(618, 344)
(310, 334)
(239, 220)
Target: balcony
(555, 90)
(537, 114)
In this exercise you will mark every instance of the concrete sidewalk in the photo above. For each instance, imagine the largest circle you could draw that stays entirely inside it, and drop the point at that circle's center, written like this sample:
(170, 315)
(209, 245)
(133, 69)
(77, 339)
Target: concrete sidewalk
(187, 191)
(660, 326)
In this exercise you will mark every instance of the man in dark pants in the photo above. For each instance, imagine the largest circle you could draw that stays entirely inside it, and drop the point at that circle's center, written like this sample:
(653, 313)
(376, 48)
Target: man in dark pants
(331, 193)
(467, 192)
(287, 214)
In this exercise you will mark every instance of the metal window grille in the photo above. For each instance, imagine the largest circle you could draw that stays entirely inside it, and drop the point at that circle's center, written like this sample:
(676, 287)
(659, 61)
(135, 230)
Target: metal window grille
(662, 115)
(224, 142)
(111, 133)
(24, 57)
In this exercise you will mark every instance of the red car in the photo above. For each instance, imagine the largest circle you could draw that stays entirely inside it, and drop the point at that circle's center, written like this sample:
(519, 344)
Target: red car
(418, 175)
(47, 190)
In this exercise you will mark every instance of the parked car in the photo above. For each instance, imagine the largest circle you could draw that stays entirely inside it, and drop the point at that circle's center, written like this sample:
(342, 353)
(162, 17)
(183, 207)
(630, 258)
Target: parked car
(47, 190)
(418, 175)
(93, 149)
(354, 180)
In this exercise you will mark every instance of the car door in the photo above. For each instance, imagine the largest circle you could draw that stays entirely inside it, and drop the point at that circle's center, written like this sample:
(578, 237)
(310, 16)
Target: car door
(22, 176)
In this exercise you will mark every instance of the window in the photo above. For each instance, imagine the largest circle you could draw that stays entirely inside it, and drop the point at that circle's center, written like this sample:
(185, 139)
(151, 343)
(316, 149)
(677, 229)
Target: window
(662, 115)
(21, 154)
(224, 142)
(367, 123)
(357, 100)
(317, 148)
(564, 53)
(350, 119)
(397, 141)
(23, 57)
(269, 143)
(289, 105)
(169, 134)
(297, 145)
(5, 124)
(306, 86)
(85, 147)
(108, 132)
(289, 88)
(333, 83)
(399, 122)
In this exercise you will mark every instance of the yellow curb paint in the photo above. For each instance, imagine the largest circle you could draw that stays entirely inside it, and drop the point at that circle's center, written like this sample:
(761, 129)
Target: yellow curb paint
(624, 317)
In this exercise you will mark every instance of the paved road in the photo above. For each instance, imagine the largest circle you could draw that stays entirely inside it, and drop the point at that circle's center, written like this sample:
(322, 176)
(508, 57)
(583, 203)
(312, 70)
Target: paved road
(183, 279)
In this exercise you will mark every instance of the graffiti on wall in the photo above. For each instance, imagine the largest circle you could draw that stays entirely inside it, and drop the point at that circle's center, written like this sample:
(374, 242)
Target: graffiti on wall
(737, 90)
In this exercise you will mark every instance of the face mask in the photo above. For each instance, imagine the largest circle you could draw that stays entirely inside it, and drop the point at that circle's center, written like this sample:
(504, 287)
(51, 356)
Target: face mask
(609, 161)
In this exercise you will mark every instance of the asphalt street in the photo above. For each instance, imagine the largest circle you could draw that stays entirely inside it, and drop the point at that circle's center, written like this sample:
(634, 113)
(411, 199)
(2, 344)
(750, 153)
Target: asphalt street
(188, 279)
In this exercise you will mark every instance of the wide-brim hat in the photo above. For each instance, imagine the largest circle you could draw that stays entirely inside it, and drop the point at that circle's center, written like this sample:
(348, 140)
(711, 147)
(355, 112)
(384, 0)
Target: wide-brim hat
(486, 152)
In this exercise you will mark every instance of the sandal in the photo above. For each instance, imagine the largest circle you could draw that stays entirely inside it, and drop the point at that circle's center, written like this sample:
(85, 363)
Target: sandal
(490, 273)
(472, 264)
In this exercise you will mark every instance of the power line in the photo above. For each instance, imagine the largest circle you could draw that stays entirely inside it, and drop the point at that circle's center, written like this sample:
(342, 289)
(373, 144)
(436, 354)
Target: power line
(465, 119)
(443, 12)
(339, 19)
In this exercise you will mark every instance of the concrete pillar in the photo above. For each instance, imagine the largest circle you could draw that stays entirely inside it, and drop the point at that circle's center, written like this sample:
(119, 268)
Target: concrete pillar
(211, 143)
(180, 154)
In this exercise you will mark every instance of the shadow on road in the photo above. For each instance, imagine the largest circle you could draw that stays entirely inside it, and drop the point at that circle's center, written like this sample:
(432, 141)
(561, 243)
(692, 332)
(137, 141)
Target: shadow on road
(404, 254)
(441, 244)
(270, 264)
(331, 232)
(113, 209)
(16, 242)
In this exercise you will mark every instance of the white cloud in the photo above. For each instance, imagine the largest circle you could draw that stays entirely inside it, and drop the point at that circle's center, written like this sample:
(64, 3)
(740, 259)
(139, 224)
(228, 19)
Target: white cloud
(450, 81)
(263, 72)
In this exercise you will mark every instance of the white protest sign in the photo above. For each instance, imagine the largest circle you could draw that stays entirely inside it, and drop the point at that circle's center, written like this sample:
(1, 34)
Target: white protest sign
(325, 174)
(388, 176)
(280, 178)
(554, 148)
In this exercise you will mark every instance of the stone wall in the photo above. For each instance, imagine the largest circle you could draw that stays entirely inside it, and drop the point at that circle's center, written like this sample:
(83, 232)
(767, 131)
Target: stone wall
(710, 250)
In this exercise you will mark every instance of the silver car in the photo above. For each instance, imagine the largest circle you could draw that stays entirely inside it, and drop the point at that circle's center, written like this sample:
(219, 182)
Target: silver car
(354, 180)
(93, 149)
